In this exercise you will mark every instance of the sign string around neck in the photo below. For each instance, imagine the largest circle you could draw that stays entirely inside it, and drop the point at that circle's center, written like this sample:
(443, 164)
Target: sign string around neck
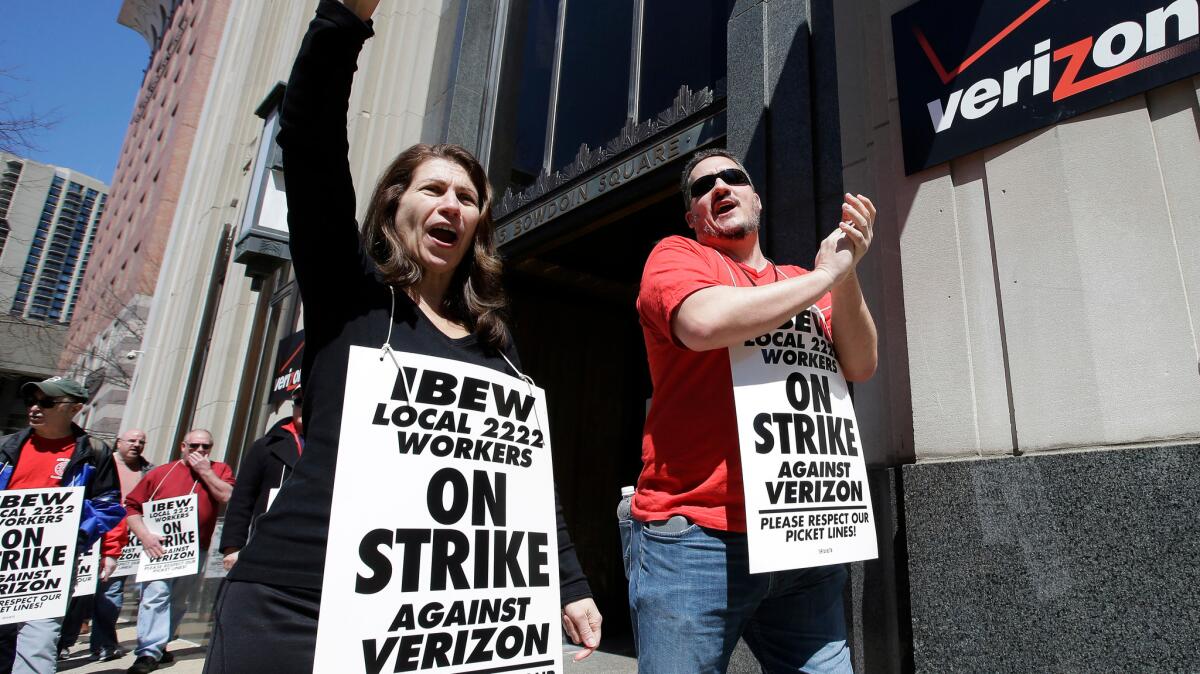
(174, 465)
(386, 350)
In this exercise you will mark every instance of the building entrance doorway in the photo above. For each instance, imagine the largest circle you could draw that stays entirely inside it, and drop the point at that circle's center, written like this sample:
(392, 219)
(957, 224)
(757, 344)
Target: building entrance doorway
(576, 326)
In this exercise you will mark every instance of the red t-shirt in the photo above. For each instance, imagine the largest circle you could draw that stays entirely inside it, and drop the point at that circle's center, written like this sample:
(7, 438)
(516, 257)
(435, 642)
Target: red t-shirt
(177, 479)
(42, 462)
(691, 465)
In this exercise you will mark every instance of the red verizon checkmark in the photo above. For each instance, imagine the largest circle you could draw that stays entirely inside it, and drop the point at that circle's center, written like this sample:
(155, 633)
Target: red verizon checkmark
(286, 363)
(945, 75)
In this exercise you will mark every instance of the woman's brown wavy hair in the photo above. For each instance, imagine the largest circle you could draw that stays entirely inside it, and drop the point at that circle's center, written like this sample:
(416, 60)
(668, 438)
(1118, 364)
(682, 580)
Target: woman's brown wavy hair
(475, 296)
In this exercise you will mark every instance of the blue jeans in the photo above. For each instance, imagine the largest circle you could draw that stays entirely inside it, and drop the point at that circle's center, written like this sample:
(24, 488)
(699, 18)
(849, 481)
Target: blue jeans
(109, 598)
(30, 647)
(691, 596)
(162, 607)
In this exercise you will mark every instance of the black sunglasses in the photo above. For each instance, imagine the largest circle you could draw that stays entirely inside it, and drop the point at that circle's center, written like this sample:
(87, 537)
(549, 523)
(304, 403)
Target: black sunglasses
(44, 403)
(730, 176)
(199, 445)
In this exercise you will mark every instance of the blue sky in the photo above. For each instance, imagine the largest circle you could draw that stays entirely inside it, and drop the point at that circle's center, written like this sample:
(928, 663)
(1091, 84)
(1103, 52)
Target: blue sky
(74, 63)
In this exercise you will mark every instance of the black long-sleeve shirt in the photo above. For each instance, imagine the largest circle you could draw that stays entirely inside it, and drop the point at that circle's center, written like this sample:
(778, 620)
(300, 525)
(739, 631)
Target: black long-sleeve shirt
(346, 304)
(264, 467)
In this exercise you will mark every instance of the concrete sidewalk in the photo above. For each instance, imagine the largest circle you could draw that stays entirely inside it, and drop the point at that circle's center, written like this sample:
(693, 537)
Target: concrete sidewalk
(189, 659)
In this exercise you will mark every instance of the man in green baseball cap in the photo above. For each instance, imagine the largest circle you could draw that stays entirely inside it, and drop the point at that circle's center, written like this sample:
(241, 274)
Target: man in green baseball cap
(57, 387)
(55, 452)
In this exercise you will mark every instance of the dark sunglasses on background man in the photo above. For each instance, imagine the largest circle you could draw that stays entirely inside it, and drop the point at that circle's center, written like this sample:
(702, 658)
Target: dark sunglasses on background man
(729, 176)
(44, 403)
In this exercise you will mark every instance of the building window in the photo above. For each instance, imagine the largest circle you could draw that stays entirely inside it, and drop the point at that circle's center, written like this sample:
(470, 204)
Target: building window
(575, 72)
(517, 162)
(593, 82)
(667, 27)
(8, 185)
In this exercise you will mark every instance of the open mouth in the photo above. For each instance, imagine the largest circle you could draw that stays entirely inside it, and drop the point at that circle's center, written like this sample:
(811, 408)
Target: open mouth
(724, 207)
(446, 235)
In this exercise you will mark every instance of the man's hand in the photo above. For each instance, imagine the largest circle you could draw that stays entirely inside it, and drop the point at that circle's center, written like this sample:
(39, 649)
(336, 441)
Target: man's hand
(152, 544)
(107, 566)
(230, 559)
(841, 251)
(859, 223)
(199, 463)
(581, 619)
(835, 257)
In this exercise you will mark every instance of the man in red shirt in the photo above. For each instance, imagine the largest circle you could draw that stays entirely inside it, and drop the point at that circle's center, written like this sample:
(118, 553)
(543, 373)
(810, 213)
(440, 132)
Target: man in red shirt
(165, 601)
(690, 591)
(105, 606)
(54, 452)
(132, 466)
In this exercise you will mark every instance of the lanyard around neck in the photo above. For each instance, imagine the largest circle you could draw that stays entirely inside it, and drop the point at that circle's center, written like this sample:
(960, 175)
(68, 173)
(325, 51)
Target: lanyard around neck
(749, 279)
(164, 481)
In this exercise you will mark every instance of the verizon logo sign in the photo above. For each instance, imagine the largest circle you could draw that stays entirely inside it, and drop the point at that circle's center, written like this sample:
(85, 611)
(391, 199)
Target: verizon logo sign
(1017, 67)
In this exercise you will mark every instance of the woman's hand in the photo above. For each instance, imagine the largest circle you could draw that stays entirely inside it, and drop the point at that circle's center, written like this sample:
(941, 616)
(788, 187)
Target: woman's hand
(582, 621)
(363, 9)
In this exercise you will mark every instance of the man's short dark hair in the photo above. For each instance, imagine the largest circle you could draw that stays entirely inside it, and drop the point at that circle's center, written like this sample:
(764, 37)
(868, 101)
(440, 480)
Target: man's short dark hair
(685, 186)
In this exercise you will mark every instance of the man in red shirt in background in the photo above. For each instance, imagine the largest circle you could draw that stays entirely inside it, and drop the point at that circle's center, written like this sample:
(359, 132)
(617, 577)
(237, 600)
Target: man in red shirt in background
(54, 452)
(132, 466)
(165, 601)
(105, 606)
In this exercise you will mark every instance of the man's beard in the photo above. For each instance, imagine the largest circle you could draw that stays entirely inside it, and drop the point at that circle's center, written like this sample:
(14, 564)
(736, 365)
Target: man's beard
(736, 232)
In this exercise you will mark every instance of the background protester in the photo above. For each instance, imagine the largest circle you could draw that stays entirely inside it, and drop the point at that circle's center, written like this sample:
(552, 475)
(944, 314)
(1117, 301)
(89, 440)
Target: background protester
(264, 468)
(423, 277)
(132, 466)
(54, 452)
(96, 606)
(164, 602)
(691, 594)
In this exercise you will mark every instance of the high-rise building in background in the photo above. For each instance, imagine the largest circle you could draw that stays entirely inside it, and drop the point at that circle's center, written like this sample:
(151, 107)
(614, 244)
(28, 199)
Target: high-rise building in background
(105, 339)
(48, 220)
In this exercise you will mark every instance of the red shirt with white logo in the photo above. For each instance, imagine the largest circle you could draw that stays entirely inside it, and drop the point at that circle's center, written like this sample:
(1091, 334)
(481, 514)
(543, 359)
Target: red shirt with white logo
(42, 462)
